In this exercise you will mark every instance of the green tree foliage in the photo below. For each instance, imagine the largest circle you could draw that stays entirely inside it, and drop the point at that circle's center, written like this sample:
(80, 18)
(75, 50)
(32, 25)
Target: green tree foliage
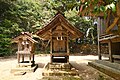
(7, 30)
(99, 5)
(17, 16)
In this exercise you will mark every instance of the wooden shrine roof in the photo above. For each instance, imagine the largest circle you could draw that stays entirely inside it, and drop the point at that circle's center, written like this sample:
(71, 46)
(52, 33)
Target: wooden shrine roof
(109, 37)
(27, 35)
(59, 19)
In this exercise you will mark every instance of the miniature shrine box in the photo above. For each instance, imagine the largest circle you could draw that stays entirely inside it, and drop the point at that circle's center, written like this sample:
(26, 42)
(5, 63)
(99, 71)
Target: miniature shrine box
(25, 53)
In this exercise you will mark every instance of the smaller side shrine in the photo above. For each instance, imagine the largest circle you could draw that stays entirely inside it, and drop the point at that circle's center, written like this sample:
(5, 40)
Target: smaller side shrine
(25, 53)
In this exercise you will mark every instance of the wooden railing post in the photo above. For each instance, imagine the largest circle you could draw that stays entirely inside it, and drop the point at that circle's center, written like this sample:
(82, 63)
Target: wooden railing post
(110, 51)
(98, 34)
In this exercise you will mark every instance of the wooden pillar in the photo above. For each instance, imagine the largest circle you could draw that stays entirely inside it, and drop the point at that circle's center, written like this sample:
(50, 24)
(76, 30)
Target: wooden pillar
(98, 34)
(67, 44)
(18, 57)
(33, 58)
(51, 48)
(110, 50)
(19, 46)
(68, 51)
(100, 54)
(22, 57)
(32, 49)
(51, 45)
(30, 58)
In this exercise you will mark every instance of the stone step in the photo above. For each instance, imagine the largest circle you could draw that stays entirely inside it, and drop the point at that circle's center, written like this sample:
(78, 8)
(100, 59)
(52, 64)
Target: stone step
(19, 73)
(111, 69)
(60, 73)
(62, 78)
(24, 65)
(24, 69)
(59, 69)
(59, 66)
(109, 64)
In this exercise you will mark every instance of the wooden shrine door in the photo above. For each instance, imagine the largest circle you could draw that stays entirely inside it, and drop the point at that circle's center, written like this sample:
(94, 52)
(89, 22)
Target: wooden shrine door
(59, 46)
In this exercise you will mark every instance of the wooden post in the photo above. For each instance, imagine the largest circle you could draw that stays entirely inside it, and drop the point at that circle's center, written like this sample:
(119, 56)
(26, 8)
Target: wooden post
(51, 42)
(67, 44)
(22, 57)
(67, 48)
(110, 51)
(51, 45)
(19, 46)
(51, 48)
(33, 58)
(98, 34)
(99, 51)
(32, 49)
(18, 57)
(30, 58)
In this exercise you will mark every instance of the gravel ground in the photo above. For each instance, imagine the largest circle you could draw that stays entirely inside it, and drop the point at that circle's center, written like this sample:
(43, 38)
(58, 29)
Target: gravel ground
(79, 62)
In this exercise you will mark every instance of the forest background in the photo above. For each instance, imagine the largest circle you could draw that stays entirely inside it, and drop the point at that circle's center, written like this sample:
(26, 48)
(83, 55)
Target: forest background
(18, 16)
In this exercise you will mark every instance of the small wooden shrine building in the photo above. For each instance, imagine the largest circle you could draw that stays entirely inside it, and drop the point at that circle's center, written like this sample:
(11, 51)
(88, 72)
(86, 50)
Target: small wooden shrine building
(25, 49)
(110, 34)
(108, 30)
(59, 31)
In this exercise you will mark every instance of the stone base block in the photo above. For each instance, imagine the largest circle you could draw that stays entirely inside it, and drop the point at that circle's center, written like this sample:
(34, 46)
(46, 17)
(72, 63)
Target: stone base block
(24, 69)
(59, 69)
(111, 69)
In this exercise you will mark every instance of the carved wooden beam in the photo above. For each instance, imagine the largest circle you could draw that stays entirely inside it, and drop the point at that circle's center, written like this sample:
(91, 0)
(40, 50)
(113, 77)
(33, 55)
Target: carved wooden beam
(118, 8)
(113, 24)
(108, 18)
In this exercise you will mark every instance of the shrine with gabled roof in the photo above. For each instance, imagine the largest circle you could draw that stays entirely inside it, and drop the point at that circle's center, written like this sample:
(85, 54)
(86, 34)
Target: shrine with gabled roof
(59, 31)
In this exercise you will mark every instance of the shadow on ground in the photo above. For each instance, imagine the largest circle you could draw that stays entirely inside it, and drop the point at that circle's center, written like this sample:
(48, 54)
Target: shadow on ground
(89, 73)
(41, 65)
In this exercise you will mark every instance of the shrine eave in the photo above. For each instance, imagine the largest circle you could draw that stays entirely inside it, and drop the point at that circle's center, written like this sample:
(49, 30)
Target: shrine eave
(59, 19)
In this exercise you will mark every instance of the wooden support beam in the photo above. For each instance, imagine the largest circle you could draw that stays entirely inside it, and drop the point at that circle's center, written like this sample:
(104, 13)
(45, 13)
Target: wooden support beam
(67, 44)
(99, 55)
(30, 58)
(112, 25)
(18, 57)
(68, 51)
(118, 8)
(108, 19)
(51, 41)
(51, 45)
(22, 58)
(110, 51)
(98, 34)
